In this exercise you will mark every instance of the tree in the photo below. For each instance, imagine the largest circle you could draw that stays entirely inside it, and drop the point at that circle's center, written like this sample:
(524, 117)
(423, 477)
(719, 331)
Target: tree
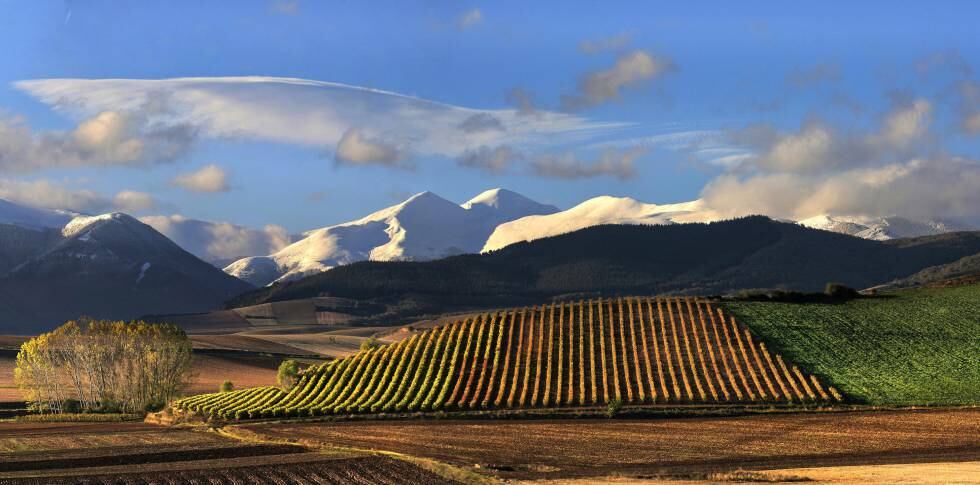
(227, 386)
(288, 374)
(837, 290)
(102, 365)
(370, 343)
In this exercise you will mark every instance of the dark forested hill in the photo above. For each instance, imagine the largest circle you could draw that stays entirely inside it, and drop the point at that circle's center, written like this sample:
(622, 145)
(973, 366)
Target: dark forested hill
(109, 266)
(752, 252)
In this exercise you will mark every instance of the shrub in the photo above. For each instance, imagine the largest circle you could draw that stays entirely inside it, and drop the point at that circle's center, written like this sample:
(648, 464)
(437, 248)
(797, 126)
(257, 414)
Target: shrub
(288, 374)
(837, 290)
(227, 386)
(613, 408)
(370, 343)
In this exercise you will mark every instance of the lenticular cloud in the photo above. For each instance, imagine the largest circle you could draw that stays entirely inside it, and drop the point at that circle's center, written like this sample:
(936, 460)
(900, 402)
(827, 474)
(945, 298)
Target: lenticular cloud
(306, 112)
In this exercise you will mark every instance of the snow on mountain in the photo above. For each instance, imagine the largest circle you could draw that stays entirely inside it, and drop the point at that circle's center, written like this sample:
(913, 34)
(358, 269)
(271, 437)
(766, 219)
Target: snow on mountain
(599, 210)
(624, 210)
(423, 227)
(32, 217)
(880, 228)
(497, 206)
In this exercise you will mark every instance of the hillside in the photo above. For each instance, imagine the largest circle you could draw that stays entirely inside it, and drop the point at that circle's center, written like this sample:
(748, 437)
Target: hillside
(714, 258)
(636, 350)
(963, 269)
(909, 347)
(108, 266)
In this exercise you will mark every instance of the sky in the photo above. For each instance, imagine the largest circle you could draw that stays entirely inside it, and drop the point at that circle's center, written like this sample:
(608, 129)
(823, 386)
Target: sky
(290, 115)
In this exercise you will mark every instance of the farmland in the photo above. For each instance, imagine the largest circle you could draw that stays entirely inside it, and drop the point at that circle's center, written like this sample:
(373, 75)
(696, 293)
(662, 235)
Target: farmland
(629, 350)
(669, 448)
(913, 347)
(54, 453)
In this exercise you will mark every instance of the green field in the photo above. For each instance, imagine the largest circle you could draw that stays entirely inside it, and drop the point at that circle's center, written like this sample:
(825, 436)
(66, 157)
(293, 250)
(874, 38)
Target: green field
(915, 347)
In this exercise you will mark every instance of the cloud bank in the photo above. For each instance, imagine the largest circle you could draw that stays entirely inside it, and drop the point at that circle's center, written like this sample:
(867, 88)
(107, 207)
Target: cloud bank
(54, 195)
(219, 242)
(893, 168)
(107, 137)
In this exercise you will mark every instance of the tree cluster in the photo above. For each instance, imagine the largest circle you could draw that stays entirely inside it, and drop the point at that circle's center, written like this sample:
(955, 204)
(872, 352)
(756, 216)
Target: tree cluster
(95, 365)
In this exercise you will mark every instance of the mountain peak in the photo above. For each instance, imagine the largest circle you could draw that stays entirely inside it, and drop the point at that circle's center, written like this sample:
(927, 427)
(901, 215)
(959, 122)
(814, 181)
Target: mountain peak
(80, 223)
(500, 198)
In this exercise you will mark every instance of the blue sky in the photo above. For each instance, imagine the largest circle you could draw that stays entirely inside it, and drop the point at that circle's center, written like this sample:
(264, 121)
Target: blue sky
(801, 99)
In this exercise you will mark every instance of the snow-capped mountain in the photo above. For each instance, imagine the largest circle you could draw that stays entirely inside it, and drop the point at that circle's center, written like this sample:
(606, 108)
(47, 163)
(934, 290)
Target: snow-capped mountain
(880, 228)
(596, 211)
(110, 266)
(32, 217)
(624, 210)
(423, 227)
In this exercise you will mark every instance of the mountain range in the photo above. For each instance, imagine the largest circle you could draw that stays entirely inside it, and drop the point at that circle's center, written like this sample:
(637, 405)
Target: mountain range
(108, 266)
(59, 264)
(697, 258)
(424, 227)
(427, 227)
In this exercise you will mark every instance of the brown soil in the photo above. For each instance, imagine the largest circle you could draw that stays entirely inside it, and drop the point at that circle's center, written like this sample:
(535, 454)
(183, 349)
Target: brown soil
(679, 447)
(242, 369)
(243, 343)
(44, 437)
(8, 388)
(359, 470)
(56, 453)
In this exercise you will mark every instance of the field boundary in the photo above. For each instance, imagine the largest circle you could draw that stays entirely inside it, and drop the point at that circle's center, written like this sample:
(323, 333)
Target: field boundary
(445, 470)
(659, 411)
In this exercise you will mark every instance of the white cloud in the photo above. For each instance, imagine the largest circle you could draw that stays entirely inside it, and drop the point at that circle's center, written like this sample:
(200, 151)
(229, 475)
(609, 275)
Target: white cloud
(133, 201)
(604, 85)
(55, 195)
(904, 125)
(469, 19)
(219, 241)
(611, 162)
(356, 148)
(52, 195)
(106, 138)
(313, 113)
(809, 149)
(890, 169)
(210, 178)
(818, 146)
(920, 188)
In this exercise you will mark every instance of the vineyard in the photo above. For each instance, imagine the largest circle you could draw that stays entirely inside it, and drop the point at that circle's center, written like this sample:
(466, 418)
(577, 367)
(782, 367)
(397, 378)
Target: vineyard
(912, 347)
(634, 350)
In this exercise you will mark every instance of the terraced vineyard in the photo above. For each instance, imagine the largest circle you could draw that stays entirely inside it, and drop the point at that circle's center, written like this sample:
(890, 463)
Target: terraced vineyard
(636, 350)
